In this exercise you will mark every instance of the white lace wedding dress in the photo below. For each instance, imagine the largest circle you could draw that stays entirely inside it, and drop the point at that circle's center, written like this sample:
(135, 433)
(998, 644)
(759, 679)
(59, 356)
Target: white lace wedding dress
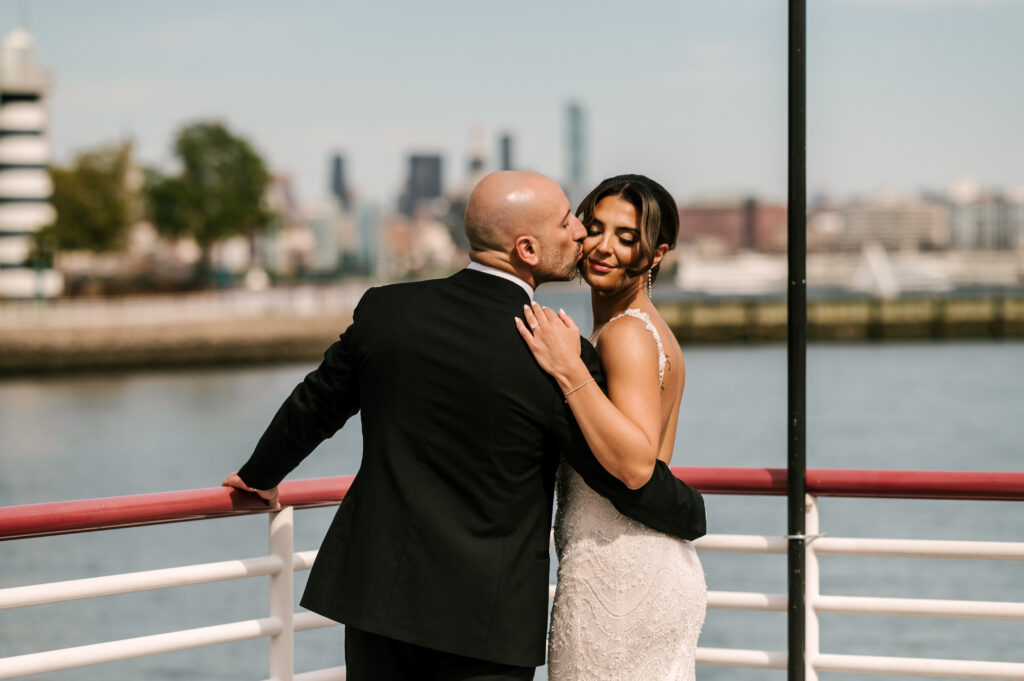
(630, 601)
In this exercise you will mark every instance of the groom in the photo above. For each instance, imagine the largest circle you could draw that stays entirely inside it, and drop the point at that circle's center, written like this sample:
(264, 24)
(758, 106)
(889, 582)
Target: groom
(437, 560)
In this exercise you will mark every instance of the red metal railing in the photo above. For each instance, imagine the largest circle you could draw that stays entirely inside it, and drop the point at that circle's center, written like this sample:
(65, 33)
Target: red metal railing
(66, 517)
(831, 482)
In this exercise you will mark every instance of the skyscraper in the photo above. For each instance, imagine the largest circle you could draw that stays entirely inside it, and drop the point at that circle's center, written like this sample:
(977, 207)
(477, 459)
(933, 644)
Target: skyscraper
(506, 152)
(339, 189)
(423, 184)
(25, 185)
(575, 153)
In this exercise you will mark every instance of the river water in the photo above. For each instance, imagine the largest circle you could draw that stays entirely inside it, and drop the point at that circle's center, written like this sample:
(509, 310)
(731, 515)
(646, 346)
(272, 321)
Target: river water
(928, 406)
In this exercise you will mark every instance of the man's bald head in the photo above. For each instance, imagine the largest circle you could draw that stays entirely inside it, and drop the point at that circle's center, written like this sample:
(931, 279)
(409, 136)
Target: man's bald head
(508, 204)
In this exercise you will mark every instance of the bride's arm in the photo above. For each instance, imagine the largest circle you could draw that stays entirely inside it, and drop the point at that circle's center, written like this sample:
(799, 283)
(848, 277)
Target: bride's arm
(623, 428)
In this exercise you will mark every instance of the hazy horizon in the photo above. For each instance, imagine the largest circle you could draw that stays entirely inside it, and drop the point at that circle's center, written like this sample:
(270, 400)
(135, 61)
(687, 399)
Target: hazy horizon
(903, 95)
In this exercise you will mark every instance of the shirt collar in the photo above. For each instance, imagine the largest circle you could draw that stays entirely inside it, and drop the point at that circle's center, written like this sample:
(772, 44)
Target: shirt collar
(487, 269)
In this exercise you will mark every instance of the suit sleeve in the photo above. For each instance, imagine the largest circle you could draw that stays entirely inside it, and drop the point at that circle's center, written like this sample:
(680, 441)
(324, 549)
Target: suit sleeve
(316, 409)
(665, 503)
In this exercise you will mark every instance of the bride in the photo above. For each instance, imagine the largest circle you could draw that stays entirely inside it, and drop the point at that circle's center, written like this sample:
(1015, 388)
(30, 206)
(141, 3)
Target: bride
(630, 601)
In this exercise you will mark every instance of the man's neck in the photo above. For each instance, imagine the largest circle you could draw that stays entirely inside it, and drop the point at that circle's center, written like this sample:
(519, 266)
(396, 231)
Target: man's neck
(503, 273)
(500, 261)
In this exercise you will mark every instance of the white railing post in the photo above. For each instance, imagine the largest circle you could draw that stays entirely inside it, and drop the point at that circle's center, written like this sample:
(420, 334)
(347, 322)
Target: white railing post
(282, 594)
(812, 589)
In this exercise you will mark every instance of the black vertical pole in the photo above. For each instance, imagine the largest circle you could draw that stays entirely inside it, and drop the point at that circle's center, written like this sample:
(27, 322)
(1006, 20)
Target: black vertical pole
(797, 335)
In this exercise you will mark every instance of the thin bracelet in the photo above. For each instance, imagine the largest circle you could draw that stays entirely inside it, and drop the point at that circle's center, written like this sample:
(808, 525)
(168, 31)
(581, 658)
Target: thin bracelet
(578, 387)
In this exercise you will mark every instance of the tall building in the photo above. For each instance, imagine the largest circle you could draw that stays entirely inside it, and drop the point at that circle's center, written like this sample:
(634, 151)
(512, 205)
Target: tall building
(423, 184)
(339, 188)
(368, 227)
(506, 152)
(25, 186)
(575, 153)
(458, 198)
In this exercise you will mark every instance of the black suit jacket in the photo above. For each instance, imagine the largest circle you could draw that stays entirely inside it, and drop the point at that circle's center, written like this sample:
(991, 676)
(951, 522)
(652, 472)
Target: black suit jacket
(442, 540)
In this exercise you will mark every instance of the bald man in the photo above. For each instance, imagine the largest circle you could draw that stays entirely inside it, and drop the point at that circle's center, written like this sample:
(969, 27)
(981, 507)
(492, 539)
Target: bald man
(437, 560)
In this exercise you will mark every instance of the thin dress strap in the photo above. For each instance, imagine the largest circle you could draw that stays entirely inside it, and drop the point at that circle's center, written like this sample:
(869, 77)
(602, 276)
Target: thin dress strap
(646, 319)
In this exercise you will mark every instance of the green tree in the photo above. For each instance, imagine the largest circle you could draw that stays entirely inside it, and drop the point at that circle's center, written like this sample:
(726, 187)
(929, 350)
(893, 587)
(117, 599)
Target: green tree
(94, 204)
(217, 194)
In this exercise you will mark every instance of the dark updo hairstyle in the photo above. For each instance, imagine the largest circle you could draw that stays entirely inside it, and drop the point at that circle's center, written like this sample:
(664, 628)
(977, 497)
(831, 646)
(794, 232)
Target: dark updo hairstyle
(656, 213)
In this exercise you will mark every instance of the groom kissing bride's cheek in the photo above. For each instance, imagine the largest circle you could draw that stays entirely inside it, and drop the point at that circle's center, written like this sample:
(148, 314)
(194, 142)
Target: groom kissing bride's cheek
(475, 403)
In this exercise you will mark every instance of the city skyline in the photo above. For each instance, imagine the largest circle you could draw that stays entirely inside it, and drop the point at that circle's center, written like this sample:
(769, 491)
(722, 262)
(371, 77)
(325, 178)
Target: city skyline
(904, 95)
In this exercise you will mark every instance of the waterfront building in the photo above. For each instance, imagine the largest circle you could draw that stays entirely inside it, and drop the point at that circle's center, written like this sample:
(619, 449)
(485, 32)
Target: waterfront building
(334, 234)
(25, 185)
(731, 225)
(416, 247)
(286, 245)
(986, 220)
(896, 223)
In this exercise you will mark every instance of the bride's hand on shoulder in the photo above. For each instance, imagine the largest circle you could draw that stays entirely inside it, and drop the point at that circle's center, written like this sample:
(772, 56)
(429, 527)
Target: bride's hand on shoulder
(553, 338)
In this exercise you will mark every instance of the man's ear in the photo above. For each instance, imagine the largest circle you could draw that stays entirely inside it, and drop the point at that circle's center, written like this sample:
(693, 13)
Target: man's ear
(527, 249)
(659, 253)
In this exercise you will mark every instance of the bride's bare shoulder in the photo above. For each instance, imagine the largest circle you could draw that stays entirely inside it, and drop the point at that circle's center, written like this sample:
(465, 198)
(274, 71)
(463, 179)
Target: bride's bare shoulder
(627, 342)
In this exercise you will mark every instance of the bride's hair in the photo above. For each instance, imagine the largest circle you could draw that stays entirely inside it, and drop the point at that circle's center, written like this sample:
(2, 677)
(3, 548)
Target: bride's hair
(657, 214)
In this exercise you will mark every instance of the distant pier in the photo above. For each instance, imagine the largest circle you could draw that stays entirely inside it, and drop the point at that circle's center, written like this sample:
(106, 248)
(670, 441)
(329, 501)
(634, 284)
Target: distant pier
(296, 325)
(200, 329)
(859, 319)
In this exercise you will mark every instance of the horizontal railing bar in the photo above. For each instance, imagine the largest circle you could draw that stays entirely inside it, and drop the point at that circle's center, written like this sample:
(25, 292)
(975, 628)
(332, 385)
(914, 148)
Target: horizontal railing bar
(330, 674)
(305, 621)
(18, 522)
(918, 607)
(763, 659)
(111, 651)
(963, 485)
(910, 666)
(303, 560)
(729, 600)
(980, 485)
(66, 517)
(919, 548)
(737, 657)
(110, 585)
(747, 600)
(741, 543)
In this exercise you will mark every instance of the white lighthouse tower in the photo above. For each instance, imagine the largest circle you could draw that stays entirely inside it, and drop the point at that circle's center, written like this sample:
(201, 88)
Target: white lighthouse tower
(25, 186)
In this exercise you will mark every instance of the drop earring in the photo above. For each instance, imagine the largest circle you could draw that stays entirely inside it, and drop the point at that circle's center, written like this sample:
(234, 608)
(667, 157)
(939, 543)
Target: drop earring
(650, 282)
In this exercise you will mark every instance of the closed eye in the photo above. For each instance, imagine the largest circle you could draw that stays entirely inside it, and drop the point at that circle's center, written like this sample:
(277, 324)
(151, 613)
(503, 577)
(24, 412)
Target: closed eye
(628, 235)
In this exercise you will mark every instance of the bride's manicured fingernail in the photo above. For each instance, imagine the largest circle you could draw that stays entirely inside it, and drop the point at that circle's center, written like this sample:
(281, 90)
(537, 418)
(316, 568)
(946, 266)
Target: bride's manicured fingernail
(561, 311)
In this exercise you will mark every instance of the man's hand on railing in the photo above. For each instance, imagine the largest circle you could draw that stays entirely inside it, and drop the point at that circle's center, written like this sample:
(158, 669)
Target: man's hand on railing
(268, 495)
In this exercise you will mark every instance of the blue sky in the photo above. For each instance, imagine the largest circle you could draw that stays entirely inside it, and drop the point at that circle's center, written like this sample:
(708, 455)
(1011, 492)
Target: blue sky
(903, 94)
